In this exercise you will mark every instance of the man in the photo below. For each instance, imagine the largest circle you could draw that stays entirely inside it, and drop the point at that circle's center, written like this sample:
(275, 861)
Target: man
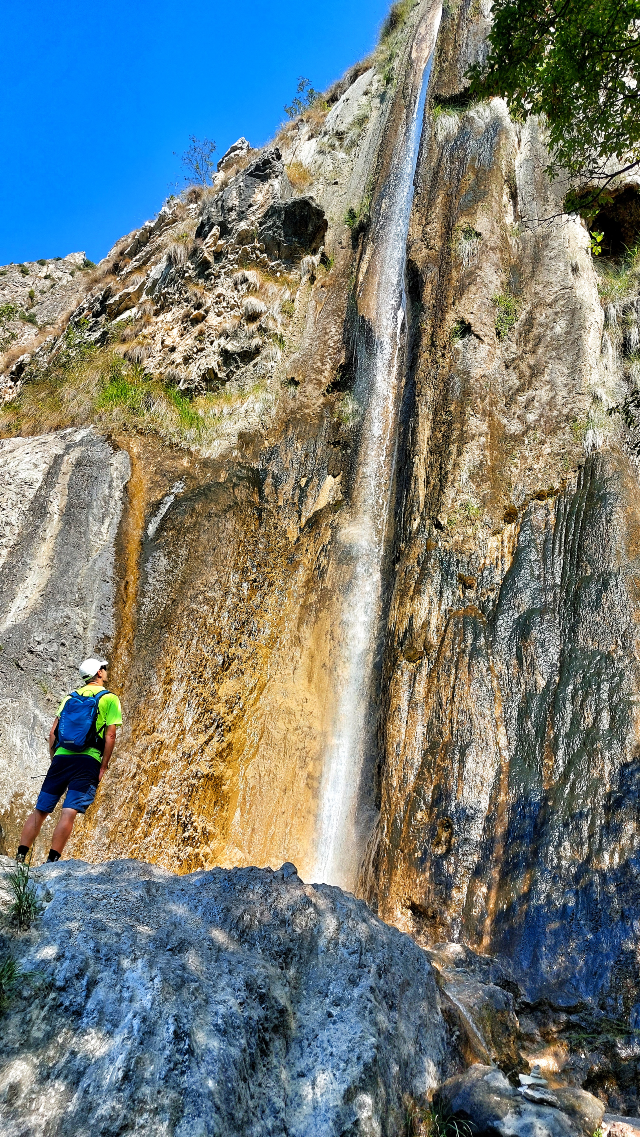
(76, 769)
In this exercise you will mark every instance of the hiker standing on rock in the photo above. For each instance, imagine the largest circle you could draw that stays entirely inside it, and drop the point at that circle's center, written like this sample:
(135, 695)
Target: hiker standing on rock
(81, 742)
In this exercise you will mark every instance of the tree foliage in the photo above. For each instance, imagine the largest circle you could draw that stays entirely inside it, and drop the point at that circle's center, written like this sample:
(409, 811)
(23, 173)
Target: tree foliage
(198, 163)
(305, 98)
(577, 62)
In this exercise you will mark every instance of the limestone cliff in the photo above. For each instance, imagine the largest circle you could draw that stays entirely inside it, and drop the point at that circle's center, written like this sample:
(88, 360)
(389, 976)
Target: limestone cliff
(220, 359)
(36, 299)
(511, 668)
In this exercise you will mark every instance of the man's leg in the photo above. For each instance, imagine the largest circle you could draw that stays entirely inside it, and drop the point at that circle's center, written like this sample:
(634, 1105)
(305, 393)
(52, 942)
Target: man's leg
(32, 827)
(62, 831)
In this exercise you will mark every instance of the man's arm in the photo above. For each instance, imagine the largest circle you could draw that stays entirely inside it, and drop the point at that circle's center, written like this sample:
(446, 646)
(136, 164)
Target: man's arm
(109, 743)
(52, 736)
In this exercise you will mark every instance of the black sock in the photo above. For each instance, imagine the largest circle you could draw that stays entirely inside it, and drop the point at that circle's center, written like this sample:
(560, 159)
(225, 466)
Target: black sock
(22, 851)
(54, 855)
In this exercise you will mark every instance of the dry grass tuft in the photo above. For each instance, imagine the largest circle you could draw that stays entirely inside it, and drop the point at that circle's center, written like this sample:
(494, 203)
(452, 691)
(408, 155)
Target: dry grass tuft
(178, 253)
(247, 276)
(298, 175)
(253, 308)
(316, 114)
(137, 353)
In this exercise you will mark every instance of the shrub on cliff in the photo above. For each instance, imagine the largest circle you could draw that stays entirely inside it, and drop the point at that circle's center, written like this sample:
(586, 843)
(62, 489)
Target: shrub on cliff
(578, 65)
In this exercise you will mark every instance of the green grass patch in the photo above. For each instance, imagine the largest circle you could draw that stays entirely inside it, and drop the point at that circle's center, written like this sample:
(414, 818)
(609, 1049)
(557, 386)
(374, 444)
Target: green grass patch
(82, 383)
(390, 41)
(24, 908)
(396, 18)
(190, 418)
(618, 279)
(10, 976)
(507, 312)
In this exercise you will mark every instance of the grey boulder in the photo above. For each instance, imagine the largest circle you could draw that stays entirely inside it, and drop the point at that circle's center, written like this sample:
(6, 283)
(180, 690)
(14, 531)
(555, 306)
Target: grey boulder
(236, 1003)
(485, 1098)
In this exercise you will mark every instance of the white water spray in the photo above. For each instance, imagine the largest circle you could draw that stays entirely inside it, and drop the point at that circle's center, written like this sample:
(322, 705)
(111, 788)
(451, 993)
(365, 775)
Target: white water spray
(363, 538)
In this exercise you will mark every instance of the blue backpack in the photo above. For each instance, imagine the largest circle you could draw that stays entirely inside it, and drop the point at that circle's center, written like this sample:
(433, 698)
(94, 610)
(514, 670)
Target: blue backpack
(76, 728)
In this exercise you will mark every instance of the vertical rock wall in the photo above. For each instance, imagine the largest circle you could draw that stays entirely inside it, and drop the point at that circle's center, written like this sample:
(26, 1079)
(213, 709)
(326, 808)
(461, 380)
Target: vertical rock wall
(60, 504)
(508, 784)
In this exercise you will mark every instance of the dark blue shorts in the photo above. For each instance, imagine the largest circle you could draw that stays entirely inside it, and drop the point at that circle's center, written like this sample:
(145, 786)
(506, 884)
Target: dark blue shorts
(75, 773)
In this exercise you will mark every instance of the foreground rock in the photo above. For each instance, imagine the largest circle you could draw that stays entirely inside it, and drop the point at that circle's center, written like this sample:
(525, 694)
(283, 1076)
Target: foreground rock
(485, 1098)
(615, 1126)
(219, 1003)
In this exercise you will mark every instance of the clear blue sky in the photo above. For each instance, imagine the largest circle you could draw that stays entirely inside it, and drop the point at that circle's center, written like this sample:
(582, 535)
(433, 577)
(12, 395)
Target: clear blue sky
(96, 97)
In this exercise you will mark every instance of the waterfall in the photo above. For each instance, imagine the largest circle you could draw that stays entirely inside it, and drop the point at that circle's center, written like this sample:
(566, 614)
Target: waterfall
(362, 537)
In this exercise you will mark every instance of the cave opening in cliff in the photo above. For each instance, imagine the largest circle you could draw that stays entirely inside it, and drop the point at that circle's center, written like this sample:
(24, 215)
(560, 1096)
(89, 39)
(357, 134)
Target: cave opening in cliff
(618, 219)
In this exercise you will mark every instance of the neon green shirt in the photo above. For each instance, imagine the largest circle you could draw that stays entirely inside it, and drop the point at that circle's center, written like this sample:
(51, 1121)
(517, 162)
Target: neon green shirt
(109, 714)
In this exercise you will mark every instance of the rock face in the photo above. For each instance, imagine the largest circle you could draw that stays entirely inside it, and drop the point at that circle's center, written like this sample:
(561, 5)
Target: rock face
(61, 499)
(293, 228)
(219, 1004)
(508, 783)
(35, 299)
(478, 1001)
(228, 562)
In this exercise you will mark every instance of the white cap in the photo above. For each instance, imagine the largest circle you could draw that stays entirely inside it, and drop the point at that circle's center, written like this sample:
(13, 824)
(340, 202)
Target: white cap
(91, 667)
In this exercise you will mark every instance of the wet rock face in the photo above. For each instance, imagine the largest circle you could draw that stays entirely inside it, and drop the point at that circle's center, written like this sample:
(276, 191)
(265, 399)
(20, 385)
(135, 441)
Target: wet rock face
(226, 577)
(508, 782)
(226, 589)
(227, 1003)
(479, 1001)
(61, 498)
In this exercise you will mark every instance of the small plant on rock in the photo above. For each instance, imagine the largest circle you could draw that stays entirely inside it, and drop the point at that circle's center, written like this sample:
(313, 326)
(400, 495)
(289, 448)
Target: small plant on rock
(25, 908)
(435, 1121)
(357, 220)
(507, 312)
(347, 409)
(460, 330)
(10, 976)
(596, 243)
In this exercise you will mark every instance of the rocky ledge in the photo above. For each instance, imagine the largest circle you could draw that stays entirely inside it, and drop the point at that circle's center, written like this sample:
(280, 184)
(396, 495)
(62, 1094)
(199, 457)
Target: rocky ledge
(222, 1003)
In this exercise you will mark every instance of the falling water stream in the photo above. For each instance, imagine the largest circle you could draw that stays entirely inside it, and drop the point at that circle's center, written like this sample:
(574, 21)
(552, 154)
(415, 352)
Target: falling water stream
(363, 537)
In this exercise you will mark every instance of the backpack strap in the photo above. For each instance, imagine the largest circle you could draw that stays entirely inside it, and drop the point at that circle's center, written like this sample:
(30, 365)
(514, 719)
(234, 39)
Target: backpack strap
(96, 739)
